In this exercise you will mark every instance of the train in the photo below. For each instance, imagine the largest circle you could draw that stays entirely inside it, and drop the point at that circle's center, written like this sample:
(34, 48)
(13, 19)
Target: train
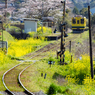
(78, 23)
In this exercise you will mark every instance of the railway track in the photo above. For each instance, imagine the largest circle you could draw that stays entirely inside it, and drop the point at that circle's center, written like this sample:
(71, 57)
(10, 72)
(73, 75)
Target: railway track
(11, 78)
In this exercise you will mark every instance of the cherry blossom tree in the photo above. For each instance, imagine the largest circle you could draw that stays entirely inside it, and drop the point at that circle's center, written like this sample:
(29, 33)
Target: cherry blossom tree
(41, 8)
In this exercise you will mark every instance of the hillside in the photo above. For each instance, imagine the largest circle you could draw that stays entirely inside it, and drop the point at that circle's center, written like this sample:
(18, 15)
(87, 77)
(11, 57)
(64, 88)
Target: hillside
(83, 3)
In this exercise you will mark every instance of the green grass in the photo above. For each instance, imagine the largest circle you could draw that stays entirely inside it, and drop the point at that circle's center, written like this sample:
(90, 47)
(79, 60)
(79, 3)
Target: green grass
(7, 37)
(63, 76)
(83, 36)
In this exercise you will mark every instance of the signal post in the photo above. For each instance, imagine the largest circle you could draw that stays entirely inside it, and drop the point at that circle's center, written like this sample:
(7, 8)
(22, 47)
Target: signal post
(62, 47)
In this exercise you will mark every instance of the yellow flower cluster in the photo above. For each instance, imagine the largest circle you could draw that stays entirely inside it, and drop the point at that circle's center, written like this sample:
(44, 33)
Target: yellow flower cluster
(79, 72)
(3, 58)
(22, 47)
(82, 65)
(45, 30)
(89, 85)
(71, 80)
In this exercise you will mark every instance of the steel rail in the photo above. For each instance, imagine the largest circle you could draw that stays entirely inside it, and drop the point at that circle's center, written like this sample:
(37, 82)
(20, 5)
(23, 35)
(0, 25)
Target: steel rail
(30, 93)
(4, 77)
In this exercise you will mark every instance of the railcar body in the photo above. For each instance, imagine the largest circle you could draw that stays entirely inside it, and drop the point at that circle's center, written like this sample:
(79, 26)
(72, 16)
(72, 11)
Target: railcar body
(78, 23)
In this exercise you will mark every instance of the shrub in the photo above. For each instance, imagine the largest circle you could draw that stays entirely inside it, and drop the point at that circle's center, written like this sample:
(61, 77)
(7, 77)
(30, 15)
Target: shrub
(80, 68)
(51, 58)
(46, 30)
(3, 58)
(13, 29)
(6, 25)
(38, 24)
(32, 34)
(52, 89)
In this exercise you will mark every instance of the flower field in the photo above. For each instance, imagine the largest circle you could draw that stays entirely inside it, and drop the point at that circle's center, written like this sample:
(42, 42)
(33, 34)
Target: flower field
(19, 48)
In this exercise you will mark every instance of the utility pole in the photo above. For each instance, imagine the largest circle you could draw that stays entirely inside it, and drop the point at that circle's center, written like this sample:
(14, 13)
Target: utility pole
(90, 44)
(63, 32)
(1, 33)
(42, 16)
(5, 9)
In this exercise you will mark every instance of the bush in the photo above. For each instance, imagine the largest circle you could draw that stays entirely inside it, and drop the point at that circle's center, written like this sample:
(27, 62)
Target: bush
(13, 29)
(80, 68)
(51, 58)
(38, 24)
(32, 34)
(52, 89)
(46, 30)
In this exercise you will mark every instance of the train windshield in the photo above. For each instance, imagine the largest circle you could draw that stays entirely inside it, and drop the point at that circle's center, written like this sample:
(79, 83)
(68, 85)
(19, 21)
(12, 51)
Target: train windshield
(74, 21)
(77, 21)
(82, 21)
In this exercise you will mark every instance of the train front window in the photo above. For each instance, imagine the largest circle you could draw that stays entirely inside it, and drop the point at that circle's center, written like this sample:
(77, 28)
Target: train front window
(74, 21)
(82, 21)
(77, 21)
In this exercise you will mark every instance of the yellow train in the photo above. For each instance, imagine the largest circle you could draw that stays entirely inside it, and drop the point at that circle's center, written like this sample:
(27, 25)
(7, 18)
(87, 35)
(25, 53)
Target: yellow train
(78, 23)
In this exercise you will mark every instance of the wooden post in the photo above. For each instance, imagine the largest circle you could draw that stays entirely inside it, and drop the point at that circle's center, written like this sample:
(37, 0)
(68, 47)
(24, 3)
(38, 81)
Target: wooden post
(45, 76)
(5, 9)
(41, 74)
(90, 44)
(70, 46)
(71, 59)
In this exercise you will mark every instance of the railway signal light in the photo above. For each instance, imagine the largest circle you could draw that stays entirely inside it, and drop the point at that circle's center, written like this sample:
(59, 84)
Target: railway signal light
(62, 29)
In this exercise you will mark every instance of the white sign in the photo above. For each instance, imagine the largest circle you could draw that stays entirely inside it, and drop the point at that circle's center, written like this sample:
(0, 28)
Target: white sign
(50, 62)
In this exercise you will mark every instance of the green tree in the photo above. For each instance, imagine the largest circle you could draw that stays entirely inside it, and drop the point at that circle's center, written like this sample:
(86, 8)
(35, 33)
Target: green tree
(7, 14)
(67, 10)
(93, 19)
(84, 12)
(0, 17)
(92, 4)
(75, 10)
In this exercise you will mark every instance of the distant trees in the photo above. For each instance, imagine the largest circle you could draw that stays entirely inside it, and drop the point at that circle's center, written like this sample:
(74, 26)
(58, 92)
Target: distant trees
(84, 12)
(67, 10)
(92, 4)
(83, 3)
(0, 17)
(7, 14)
(93, 19)
(75, 10)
